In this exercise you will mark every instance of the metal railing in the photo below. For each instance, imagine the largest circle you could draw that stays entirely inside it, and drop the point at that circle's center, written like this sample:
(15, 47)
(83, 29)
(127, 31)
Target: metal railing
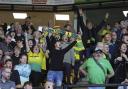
(83, 86)
(95, 85)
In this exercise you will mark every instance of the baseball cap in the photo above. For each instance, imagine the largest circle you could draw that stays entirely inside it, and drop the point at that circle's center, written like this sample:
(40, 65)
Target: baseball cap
(98, 50)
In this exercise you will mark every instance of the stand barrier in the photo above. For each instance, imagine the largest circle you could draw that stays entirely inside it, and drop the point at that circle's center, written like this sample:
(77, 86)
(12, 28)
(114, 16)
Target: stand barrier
(84, 86)
(124, 86)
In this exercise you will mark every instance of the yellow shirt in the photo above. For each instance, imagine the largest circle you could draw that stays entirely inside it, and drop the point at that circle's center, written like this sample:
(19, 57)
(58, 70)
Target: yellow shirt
(37, 60)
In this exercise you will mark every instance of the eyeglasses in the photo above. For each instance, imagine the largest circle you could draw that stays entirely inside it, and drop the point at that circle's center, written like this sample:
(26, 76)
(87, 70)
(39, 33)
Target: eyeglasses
(98, 52)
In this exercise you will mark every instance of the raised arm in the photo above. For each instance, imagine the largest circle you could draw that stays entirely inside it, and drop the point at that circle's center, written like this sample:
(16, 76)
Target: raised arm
(103, 22)
(48, 42)
(82, 26)
(80, 20)
(26, 41)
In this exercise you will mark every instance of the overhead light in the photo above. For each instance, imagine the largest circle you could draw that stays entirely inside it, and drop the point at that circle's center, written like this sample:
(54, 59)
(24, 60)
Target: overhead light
(125, 13)
(64, 17)
(19, 15)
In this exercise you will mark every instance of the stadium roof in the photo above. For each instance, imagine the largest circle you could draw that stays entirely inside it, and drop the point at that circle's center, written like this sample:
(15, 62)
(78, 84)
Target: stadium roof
(91, 4)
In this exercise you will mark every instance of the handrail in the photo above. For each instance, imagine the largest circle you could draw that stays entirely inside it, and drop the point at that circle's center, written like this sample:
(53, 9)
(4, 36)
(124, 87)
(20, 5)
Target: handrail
(87, 85)
(94, 85)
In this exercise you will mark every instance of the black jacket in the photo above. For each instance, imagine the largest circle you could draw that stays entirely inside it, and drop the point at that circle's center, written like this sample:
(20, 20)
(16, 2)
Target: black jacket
(57, 56)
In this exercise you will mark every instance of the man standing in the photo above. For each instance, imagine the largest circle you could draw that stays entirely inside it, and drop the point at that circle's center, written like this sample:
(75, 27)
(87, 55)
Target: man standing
(97, 69)
(5, 82)
(55, 72)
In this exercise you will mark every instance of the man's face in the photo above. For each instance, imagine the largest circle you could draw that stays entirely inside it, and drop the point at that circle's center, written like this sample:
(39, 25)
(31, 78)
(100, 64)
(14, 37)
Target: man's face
(1, 53)
(124, 30)
(17, 51)
(98, 55)
(1, 28)
(69, 28)
(108, 37)
(9, 64)
(30, 43)
(8, 39)
(117, 25)
(106, 48)
(89, 25)
(122, 23)
(125, 39)
(19, 31)
(28, 87)
(123, 48)
(58, 45)
(114, 35)
(20, 44)
(6, 73)
(23, 59)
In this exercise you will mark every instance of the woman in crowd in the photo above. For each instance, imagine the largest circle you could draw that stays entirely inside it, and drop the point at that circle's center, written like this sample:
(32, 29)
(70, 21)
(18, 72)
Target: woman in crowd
(31, 42)
(37, 61)
(24, 69)
(121, 64)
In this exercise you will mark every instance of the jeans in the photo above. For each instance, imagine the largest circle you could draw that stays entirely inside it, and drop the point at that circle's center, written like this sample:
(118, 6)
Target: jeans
(96, 87)
(56, 77)
(122, 87)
